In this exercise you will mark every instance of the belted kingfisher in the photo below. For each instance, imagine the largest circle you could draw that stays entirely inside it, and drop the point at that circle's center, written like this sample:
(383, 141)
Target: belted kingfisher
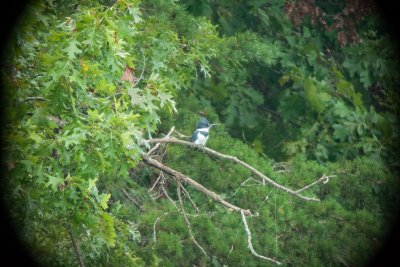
(200, 136)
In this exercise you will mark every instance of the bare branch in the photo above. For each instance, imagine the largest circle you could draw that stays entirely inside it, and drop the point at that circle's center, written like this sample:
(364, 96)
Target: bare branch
(59, 122)
(169, 198)
(181, 177)
(155, 183)
(158, 145)
(156, 221)
(324, 179)
(132, 199)
(281, 167)
(242, 184)
(233, 159)
(250, 244)
(143, 69)
(209, 215)
(114, 95)
(178, 189)
(34, 98)
(75, 246)
(181, 134)
(190, 199)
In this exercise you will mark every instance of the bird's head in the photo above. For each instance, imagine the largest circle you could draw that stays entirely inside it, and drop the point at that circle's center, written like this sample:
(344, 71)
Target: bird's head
(202, 123)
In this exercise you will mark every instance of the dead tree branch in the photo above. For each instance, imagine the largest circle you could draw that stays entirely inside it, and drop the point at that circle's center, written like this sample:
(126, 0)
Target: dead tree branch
(250, 244)
(233, 159)
(169, 198)
(190, 199)
(134, 201)
(157, 220)
(143, 68)
(178, 189)
(151, 151)
(34, 98)
(75, 246)
(324, 179)
(181, 177)
(155, 183)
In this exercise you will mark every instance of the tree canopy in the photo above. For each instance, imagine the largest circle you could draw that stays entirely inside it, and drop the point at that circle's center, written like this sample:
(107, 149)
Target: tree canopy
(304, 92)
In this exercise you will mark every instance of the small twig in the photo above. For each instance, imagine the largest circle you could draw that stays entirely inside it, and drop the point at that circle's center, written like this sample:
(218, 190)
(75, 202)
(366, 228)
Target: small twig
(75, 246)
(114, 95)
(34, 98)
(59, 122)
(324, 179)
(181, 135)
(265, 199)
(209, 215)
(158, 145)
(250, 244)
(155, 183)
(190, 199)
(281, 167)
(156, 221)
(242, 184)
(169, 198)
(178, 189)
(134, 201)
(144, 67)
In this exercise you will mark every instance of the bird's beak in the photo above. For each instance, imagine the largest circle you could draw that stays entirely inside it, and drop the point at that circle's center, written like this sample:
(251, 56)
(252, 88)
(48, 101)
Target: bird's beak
(214, 124)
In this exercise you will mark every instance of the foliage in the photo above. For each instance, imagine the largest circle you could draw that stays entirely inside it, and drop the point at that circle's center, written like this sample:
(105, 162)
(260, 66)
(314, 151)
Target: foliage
(88, 82)
(334, 58)
(79, 114)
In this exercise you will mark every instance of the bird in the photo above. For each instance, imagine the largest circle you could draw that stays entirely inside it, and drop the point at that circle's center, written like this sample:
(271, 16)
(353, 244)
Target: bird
(200, 135)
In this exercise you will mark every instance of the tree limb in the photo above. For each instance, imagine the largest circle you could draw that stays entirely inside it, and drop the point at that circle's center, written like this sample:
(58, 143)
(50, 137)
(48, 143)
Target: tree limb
(250, 244)
(324, 179)
(143, 69)
(34, 98)
(178, 189)
(233, 159)
(75, 246)
(155, 183)
(155, 224)
(181, 177)
(157, 145)
(190, 199)
(132, 199)
(169, 198)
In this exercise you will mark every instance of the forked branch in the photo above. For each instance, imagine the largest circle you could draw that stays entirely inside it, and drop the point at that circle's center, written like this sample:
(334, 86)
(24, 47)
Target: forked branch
(178, 188)
(183, 178)
(240, 162)
(250, 244)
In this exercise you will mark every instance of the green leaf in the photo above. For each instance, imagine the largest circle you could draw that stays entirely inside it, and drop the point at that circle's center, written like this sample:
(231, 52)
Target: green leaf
(72, 49)
(284, 79)
(340, 109)
(103, 200)
(107, 224)
(54, 182)
(313, 97)
(340, 132)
